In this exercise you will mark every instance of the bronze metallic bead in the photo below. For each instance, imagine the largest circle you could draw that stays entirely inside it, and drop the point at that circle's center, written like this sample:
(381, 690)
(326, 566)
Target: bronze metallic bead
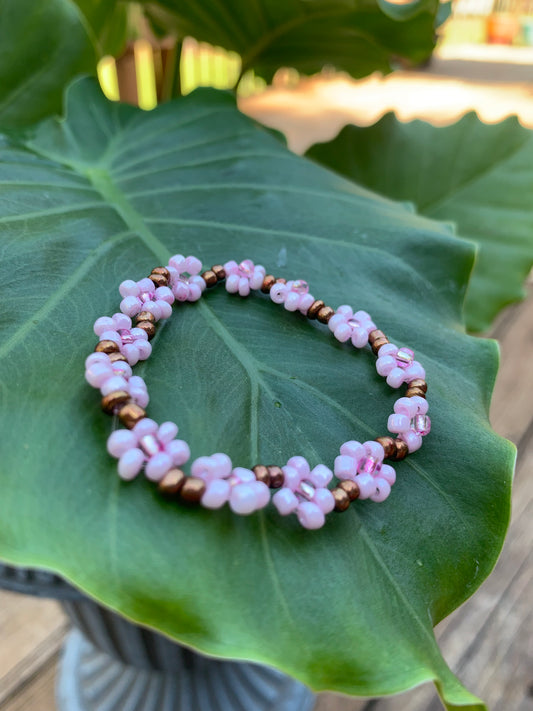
(163, 271)
(324, 314)
(192, 489)
(219, 271)
(114, 357)
(158, 279)
(378, 343)
(388, 444)
(145, 316)
(112, 402)
(209, 277)
(351, 488)
(374, 335)
(276, 476)
(268, 283)
(401, 450)
(172, 482)
(411, 392)
(130, 414)
(261, 473)
(312, 311)
(342, 500)
(148, 327)
(106, 347)
(419, 383)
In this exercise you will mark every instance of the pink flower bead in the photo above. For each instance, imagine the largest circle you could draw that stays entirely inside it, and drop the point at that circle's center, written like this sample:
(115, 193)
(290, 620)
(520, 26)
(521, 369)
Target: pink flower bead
(347, 325)
(237, 486)
(150, 446)
(143, 295)
(243, 277)
(305, 492)
(185, 281)
(294, 295)
(132, 342)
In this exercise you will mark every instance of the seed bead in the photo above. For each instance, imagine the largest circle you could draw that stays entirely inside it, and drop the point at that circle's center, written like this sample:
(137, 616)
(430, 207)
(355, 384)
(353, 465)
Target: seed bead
(158, 279)
(261, 473)
(193, 489)
(148, 327)
(172, 482)
(401, 451)
(389, 446)
(325, 313)
(419, 383)
(342, 500)
(277, 478)
(312, 311)
(106, 347)
(351, 488)
(412, 392)
(210, 278)
(116, 356)
(219, 272)
(130, 414)
(268, 283)
(113, 401)
(163, 271)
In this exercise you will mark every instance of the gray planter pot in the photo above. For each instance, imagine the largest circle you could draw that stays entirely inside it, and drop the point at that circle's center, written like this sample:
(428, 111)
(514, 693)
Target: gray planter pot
(110, 664)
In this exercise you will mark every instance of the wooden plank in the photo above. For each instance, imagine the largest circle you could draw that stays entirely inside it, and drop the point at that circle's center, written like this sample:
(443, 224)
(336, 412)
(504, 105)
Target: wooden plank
(36, 694)
(32, 631)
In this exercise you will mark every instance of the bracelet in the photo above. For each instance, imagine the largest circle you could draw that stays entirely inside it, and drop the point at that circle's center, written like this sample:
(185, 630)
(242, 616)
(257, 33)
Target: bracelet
(213, 480)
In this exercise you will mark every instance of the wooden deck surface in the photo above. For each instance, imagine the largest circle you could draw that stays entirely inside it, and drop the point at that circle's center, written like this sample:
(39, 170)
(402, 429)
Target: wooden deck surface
(488, 642)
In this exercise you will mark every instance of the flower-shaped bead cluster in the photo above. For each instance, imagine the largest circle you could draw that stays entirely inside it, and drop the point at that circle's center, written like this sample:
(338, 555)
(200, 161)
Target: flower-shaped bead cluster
(294, 295)
(143, 295)
(132, 342)
(363, 463)
(305, 492)
(398, 365)
(224, 484)
(347, 325)
(243, 277)
(110, 377)
(148, 445)
(185, 280)
(410, 421)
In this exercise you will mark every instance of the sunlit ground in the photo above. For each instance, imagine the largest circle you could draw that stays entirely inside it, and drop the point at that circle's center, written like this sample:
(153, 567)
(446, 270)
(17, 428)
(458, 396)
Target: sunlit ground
(495, 81)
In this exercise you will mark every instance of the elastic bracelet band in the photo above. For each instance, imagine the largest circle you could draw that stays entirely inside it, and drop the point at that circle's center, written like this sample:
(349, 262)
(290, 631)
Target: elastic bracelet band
(213, 480)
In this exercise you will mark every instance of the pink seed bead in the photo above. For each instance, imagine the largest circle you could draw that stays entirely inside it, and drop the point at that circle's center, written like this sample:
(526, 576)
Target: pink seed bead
(300, 464)
(412, 439)
(97, 374)
(96, 358)
(157, 466)
(223, 463)
(404, 357)
(310, 516)
(354, 449)
(374, 449)
(149, 445)
(305, 302)
(389, 349)
(130, 305)
(166, 432)
(367, 465)
(128, 288)
(130, 464)
(242, 499)
(395, 378)
(145, 426)
(153, 308)
(406, 406)
(388, 473)
(385, 364)
(345, 310)
(335, 321)
(216, 494)
(164, 293)
(414, 372)
(115, 382)
(144, 349)
(165, 309)
(421, 424)
(285, 501)
(131, 352)
(305, 491)
(193, 265)
(243, 475)
(120, 441)
(111, 336)
(300, 286)
(146, 285)
(246, 268)
(345, 467)
(104, 323)
(359, 337)
(278, 292)
(367, 485)
(382, 490)
(244, 290)
(232, 283)
(421, 403)
(343, 332)
(398, 423)
(121, 368)
(292, 301)
(179, 450)
(320, 476)
(177, 262)
(324, 500)
(256, 281)
(195, 292)
(205, 468)
(262, 494)
(120, 321)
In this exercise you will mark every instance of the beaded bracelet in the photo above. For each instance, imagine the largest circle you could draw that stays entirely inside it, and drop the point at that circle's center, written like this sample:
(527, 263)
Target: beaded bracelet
(213, 481)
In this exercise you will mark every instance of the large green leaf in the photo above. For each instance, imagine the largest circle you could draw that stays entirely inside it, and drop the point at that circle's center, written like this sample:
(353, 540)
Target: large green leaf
(357, 36)
(476, 175)
(108, 194)
(43, 45)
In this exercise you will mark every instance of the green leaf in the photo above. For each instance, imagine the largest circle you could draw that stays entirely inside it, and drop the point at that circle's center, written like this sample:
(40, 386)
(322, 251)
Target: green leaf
(478, 176)
(111, 192)
(43, 45)
(354, 36)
